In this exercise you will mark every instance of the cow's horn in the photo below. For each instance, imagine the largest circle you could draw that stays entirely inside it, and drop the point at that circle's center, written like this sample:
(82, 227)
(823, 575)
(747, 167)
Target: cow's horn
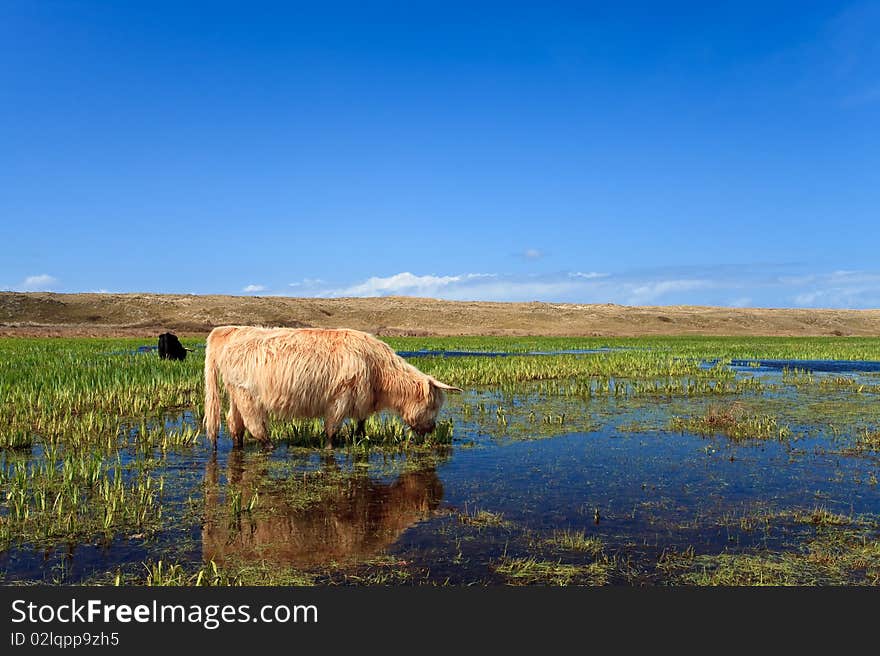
(444, 386)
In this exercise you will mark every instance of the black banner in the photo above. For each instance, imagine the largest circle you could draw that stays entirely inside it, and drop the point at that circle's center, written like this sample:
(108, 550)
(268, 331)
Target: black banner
(134, 619)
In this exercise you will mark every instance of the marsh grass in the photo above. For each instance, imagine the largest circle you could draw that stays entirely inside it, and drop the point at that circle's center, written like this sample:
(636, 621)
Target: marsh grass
(764, 569)
(690, 346)
(822, 517)
(869, 440)
(80, 391)
(481, 518)
(836, 550)
(381, 570)
(75, 495)
(733, 421)
(576, 541)
(161, 573)
(532, 571)
(382, 431)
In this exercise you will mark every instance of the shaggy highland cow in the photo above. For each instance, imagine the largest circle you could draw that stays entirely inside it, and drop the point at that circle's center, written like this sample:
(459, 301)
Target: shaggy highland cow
(306, 372)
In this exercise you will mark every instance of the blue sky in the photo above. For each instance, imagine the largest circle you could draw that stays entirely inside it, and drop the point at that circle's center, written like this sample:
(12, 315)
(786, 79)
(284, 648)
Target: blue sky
(632, 152)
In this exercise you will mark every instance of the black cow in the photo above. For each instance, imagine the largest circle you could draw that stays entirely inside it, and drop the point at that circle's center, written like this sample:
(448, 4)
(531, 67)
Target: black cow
(170, 347)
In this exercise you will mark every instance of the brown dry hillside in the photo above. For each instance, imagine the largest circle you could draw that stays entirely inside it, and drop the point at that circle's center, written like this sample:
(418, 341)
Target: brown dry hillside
(50, 314)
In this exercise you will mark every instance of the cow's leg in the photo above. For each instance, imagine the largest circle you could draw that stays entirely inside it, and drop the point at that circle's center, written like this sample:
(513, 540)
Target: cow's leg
(335, 415)
(253, 416)
(331, 424)
(234, 421)
(332, 420)
(361, 430)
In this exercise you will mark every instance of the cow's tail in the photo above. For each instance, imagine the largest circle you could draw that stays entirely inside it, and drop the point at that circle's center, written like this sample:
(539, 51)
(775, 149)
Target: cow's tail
(212, 388)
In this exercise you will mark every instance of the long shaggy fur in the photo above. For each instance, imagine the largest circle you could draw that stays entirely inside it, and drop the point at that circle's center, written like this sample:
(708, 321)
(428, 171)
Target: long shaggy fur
(305, 372)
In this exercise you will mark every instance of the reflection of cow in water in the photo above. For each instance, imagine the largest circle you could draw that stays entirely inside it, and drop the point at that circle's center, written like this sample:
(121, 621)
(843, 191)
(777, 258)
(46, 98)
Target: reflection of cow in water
(355, 520)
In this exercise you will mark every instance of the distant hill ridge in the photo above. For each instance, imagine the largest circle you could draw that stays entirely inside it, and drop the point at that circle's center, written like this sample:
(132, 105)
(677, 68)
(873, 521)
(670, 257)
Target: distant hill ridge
(52, 314)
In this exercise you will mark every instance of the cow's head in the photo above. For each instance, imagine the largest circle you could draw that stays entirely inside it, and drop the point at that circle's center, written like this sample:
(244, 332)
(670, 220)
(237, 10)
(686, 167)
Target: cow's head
(421, 415)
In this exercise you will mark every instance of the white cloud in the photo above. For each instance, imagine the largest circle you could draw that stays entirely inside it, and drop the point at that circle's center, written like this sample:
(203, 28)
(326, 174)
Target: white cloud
(39, 283)
(253, 288)
(307, 282)
(533, 254)
(807, 299)
(642, 293)
(722, 285)
(577, 287)
(406, 284)
(592, 275)
(840, 289)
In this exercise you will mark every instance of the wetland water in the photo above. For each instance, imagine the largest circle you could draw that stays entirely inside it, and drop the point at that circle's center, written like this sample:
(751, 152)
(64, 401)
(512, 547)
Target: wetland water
(425, 353)
(824, 366)
(542, 483)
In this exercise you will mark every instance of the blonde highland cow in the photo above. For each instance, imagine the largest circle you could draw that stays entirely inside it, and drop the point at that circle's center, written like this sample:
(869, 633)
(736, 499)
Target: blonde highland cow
(306, 372)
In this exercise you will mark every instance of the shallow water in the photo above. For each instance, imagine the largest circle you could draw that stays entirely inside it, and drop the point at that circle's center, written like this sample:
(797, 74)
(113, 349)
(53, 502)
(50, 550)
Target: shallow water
(145, 349)
(498, 354)
(824, 366)
(613, 471)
